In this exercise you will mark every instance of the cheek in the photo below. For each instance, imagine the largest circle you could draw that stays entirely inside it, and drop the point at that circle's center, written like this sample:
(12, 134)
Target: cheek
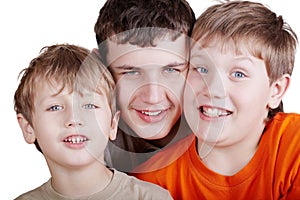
(174, 88)
(256, 97)
(52, 122)
(194, 85)
(103, 122)
(191, 101)
(175, 93)
(123, 95)
(45, 134)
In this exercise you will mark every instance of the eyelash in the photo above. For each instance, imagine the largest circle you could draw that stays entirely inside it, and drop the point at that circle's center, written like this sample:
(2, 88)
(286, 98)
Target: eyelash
(90, 104)
(201, 70)
(132, 72)
(85, 106)
(240, 74)
(55, 108)
(171, 70)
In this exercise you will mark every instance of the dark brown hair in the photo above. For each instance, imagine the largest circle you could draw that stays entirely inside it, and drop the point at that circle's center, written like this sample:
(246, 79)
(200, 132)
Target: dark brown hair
(140, 22)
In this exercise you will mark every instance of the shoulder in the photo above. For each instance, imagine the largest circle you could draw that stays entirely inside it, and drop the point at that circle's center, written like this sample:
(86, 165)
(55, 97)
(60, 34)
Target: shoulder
(284, 119)
(284, 129)
(285, 125)
(139, 189)
(282, 138)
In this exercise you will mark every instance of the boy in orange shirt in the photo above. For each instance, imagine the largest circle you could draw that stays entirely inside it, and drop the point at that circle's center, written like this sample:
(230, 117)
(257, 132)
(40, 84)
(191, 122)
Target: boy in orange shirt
(243, 148)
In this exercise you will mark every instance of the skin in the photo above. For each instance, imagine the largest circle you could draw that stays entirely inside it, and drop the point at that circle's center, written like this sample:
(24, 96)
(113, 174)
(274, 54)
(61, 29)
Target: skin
(227, 98)
(72, 131)
(150, 82)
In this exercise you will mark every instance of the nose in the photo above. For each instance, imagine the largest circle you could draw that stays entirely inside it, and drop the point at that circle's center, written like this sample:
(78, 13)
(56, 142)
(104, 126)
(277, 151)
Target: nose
(73, 119)
(152, 93)
(215, 86)
(74, 123)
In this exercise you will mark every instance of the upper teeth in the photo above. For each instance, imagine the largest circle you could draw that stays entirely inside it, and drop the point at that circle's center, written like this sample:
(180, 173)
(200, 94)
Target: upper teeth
(214, 112)
(75, 140)
(154, 113)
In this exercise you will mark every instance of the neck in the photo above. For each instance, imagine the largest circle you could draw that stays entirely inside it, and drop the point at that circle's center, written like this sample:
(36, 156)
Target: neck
(227, 160)
(80, 182)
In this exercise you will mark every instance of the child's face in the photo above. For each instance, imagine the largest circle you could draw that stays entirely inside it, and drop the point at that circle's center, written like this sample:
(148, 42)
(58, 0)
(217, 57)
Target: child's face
(72, 129)
(227, 95)
(150, 83)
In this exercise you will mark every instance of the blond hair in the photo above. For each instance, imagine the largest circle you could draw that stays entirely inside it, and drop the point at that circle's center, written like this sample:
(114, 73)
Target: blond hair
(265, 34)
(69, 66)
(254, 26)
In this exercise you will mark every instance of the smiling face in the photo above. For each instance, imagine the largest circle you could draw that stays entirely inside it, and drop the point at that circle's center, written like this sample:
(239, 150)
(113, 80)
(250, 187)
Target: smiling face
(227, 95)
(71, 129)
(150, 83)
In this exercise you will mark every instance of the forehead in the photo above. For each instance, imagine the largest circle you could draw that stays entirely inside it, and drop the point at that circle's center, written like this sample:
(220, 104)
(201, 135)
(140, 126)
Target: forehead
(52, 88)
(164, 50)
(234, 48)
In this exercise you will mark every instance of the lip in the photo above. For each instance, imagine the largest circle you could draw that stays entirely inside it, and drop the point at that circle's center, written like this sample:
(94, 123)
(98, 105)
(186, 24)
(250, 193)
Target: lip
(75, 141)
(152, 116)
(213, 113)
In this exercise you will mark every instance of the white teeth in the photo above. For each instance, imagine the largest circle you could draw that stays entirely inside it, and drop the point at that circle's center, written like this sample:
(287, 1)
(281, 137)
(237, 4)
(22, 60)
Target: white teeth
(75, 140)
(151, 113)
(214, 112)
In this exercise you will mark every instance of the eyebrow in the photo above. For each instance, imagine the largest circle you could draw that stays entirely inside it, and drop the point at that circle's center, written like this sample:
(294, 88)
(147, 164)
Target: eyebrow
(175, 64)
(124, 67)
(198, 55)
(130, 67)
(236, 57)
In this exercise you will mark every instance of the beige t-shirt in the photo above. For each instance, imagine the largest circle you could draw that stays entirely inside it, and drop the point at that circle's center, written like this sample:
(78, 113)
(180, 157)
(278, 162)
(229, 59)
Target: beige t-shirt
(121, 186)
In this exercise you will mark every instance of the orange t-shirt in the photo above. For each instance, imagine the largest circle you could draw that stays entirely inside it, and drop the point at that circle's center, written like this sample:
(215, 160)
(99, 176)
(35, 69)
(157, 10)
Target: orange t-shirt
(273, 172)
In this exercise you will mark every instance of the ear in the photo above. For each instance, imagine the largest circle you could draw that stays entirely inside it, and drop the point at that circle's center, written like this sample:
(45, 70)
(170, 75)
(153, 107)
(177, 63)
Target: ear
(278, 89)
(96, 52)
(114, 126)
(27, 130)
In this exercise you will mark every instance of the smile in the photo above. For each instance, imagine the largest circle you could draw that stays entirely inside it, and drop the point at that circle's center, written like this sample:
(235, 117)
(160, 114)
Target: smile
(214, 112)
(152, 116)
(151, 113)
(75, 139)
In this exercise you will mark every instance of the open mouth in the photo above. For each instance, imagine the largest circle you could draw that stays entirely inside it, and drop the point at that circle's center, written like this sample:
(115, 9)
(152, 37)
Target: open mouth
(214, 112)
(152, 113)
(75, 139)
(152, 116)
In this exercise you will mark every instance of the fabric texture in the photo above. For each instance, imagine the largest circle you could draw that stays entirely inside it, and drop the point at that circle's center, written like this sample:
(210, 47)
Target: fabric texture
(272, 173)
(121, 186)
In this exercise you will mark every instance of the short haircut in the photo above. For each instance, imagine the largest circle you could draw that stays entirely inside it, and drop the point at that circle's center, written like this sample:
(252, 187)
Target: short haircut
(142, 21)
(69, 66)
(265, 34)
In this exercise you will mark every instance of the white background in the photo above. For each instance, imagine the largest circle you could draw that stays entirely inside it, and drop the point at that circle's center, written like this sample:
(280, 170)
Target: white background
(27, 26)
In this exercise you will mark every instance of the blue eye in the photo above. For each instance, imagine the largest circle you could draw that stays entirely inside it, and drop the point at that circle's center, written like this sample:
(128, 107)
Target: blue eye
(55, 108)
(202, 70)
(238, 74)
(89, 106)
(171, 70)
